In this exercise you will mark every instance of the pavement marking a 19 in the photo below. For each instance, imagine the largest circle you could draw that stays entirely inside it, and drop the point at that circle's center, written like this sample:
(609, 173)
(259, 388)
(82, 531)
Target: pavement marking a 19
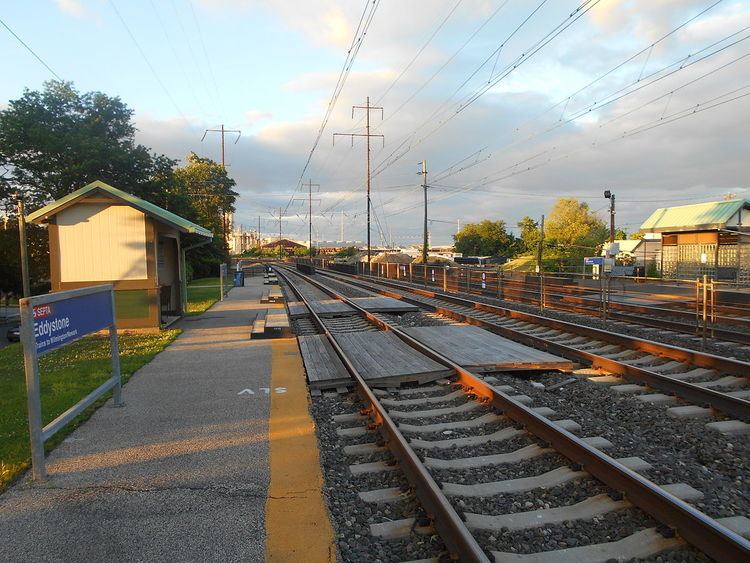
(263, 391)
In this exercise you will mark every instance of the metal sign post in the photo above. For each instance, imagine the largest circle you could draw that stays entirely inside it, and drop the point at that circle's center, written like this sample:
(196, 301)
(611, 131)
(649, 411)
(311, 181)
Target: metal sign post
(222, 276)
(49, 322)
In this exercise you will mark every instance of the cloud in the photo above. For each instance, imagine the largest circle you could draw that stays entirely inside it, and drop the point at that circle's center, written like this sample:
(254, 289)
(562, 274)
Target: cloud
(252, 117)
(72, 7)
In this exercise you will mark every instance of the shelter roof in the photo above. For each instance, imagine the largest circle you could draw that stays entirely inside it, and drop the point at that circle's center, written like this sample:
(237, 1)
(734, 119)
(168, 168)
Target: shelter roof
(696, 217)
(150, 209)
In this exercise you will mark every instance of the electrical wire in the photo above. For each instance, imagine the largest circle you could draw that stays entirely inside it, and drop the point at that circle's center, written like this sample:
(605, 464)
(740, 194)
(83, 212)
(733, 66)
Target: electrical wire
(147, 61)
(30, 50)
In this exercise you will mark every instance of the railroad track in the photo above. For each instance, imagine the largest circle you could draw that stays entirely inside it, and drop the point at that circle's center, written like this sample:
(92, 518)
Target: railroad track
(477, 415)
(731, 323)
(678, 372)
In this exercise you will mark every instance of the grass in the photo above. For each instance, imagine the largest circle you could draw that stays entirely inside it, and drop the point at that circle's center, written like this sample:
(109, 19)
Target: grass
(521, 264)
(66, 376)
(200, 299)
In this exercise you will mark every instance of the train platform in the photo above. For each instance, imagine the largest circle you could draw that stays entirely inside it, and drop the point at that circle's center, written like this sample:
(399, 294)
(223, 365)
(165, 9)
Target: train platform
(214, 457)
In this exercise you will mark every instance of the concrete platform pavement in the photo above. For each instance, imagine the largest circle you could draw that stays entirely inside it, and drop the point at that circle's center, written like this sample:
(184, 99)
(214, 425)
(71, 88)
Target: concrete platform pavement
(183, 472)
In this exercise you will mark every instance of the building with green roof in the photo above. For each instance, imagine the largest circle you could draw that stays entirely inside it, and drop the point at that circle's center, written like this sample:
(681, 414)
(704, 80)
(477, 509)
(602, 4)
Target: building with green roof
(100, 234)
(710, 239)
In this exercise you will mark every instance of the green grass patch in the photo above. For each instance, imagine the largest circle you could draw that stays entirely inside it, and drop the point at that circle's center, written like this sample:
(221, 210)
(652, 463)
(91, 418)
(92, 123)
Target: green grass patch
(65, 377)
(200, 299)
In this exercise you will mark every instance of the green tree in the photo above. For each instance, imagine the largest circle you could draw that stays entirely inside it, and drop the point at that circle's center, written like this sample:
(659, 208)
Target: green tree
(572, 231)
(204, 186)
(57, 140)
(487, 238)
(529, 234)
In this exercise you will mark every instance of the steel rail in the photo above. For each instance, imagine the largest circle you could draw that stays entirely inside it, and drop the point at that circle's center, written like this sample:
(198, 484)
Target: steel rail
(727, 404)
(695, 527)
(624, 311)
(446, 520)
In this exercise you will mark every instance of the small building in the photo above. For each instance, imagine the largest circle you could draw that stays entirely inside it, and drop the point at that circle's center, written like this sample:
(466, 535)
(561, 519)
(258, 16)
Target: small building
(99, 234)
(710, 239)
(636, 252)
(289, 246)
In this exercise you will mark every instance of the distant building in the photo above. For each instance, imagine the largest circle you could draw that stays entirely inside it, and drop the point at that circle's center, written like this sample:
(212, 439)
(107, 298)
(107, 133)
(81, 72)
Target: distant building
(99, 234)
(241, 241)
(636, 252)
(710, 239)
(289, 246)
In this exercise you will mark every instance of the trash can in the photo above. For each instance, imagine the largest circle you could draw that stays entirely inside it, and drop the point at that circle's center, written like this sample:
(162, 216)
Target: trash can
(239, 278)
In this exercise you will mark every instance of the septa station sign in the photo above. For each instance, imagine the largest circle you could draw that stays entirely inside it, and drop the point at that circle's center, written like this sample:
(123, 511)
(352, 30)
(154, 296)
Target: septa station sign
(62, 322)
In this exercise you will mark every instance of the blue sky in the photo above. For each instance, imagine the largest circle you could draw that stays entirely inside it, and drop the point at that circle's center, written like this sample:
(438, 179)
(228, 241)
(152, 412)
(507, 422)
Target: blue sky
(269, 68)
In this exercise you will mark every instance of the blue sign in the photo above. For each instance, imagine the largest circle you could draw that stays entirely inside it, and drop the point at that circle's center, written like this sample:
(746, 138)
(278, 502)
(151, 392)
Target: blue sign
(594, 260)
(62, 322)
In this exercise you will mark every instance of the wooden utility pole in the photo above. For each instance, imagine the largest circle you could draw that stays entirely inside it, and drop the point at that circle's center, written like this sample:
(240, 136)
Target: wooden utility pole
(223, 132)
(309, 210)
(368, 108)
(424, 242)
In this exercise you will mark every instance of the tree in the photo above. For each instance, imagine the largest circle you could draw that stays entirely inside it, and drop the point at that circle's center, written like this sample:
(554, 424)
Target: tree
(621, 234)
(57, 140)
(572, 231)
(529, 234)
(204, 186)
(487, 238)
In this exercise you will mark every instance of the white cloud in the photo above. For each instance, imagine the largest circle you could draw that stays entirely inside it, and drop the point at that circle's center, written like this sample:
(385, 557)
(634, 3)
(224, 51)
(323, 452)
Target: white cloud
(252, 117)
(72, 7)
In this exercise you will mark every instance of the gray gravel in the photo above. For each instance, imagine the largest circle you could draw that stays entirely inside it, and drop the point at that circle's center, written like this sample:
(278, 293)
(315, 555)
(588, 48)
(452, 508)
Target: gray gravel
(351, 516)
(679, 450)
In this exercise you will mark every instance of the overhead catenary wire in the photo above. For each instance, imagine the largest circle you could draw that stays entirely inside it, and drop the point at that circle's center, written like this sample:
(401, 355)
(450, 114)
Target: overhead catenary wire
(147, 61)
(30, 50)
(357, 41)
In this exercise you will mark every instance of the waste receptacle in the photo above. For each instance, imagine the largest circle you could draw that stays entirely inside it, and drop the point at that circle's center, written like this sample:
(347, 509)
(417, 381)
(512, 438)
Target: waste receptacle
(239, 278)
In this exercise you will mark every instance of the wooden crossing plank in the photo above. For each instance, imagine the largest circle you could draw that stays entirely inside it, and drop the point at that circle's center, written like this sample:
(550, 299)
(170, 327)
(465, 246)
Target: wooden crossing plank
(329, 307)
(277, 325)
(473, 347)
(297, 309)
(324, 368)
(383, 358)
(384, 305)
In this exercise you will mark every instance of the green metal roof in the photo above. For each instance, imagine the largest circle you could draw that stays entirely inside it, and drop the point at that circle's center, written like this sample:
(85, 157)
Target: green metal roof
(141, 204)
(699, 216)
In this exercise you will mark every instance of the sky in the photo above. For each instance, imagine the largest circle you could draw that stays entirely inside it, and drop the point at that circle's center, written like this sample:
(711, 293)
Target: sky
(512, 103)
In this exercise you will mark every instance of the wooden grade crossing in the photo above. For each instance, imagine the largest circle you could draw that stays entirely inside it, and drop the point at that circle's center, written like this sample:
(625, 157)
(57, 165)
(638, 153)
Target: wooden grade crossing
(472, 347)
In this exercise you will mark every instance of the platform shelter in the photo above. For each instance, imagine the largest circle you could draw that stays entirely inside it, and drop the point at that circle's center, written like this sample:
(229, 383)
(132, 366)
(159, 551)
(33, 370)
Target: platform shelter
(710, 239)
(100, 234)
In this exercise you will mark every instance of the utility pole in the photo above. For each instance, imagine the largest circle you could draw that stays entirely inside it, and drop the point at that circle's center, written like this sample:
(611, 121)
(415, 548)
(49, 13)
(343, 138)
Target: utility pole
(611, 197)
(223, 132)
(224, 222)
(309, 210)
(540, 267)
(423, 173)
(367, 135)
(24, 248)
(281, 214)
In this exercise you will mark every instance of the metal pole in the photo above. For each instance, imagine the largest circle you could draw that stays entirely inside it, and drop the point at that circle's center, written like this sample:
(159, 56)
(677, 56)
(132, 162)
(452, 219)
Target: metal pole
(369, 267)
(612, 218)
(540, 264)
(33, 399)
(697, 303)
(115, 352)
(424, 187)
(309, 202)
(221, 282)
(24, 248)
(445, 279)
(713, 306)
(705, 307)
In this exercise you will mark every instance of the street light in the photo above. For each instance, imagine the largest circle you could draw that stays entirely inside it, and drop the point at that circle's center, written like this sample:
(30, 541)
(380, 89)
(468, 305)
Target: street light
(611, 197)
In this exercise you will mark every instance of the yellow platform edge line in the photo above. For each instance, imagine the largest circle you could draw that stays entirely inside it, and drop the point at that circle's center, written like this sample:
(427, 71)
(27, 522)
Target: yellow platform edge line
(298, 526)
